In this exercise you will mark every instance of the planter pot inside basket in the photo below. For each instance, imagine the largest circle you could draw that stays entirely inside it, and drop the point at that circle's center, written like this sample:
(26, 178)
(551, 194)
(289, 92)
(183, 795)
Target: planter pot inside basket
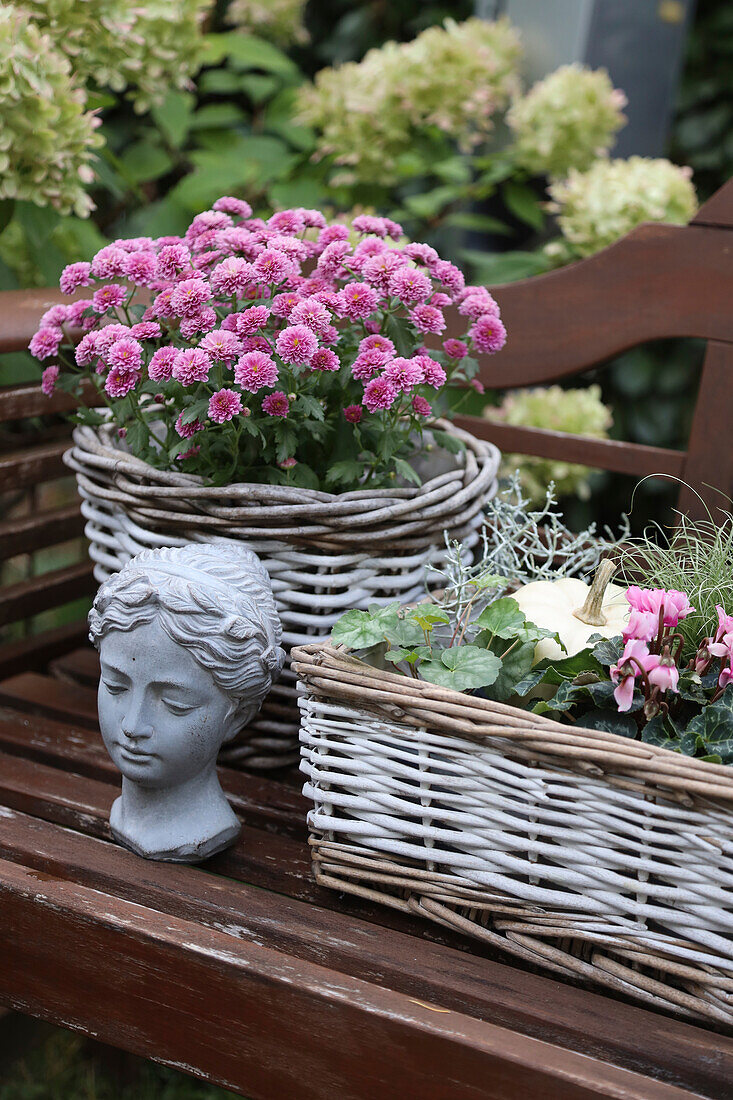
(325, 553)
(597, 856)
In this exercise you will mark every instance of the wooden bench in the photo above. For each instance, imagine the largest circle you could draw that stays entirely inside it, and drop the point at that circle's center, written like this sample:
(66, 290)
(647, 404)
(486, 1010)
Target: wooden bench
(243, 971)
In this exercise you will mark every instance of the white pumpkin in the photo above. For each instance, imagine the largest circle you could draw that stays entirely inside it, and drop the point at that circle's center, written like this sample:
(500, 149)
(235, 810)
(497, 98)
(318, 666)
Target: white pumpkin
(574, 610)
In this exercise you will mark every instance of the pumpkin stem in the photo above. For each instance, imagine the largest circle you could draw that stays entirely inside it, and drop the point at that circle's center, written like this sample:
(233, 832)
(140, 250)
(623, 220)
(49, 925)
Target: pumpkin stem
(592, 610)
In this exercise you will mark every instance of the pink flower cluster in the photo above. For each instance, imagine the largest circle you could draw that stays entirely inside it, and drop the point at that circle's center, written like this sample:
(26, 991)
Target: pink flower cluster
(239, 305)
(647, 654)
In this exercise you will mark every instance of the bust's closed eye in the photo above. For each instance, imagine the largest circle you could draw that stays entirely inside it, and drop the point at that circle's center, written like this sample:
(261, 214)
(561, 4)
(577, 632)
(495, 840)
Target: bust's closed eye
(177, 706)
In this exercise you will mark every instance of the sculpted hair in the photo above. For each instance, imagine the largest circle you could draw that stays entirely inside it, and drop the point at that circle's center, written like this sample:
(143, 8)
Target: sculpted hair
(214, 599)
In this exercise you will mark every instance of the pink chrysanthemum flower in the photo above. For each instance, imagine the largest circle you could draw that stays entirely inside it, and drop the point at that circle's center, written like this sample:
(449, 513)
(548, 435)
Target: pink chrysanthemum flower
(369, 363)
(288, 463)
(476, 305)
(421, 253)
(229, 205)
(330, 335)
(75, 314)
(224, 405)
(365, 250)
(204, 320)
(379, 269)
(125, 354)
(428, 319)
(331, 233)
(252, 320)
(109, 335)
(135, 244)
(190, 453)
(140, 267)
(434, 375)
(331, 260)
(272, 267)
(189, 297)
(221, 346)
(477, 386)
(54, 317)
(191, 365)
(325, 360)
(257, 343)
(405, 374)
(296, 344)
(172, 260)
(255, 371)
(381, 343)
(75, 275)
(108, 297)
(287, 221)
(379, 394)
(160, 367)
(283, 304)
(310, 312)
(187, 431)
(357, 301)
(118, 383)
(410, 285)
(86, 350)
(48, 380)
(455, 349)
(45, 342)
(161, 306)
(449, 275)
(313, 219)
(230, 277)
(276, 404)
(420, 406)
(488, 334)
(353, 413)
(146, 330)
(203, 223)
(109, 262)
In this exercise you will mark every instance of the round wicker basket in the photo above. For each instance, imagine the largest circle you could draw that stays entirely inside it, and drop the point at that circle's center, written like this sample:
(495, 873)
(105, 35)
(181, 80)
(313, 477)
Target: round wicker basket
(325, 553)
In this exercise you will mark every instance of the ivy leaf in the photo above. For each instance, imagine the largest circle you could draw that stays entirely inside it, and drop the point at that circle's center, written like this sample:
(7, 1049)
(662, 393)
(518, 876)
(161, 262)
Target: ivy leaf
(714, 726)
(463, 668)
(528, 682)
(363, 629)
(567, 668)
(503, 618)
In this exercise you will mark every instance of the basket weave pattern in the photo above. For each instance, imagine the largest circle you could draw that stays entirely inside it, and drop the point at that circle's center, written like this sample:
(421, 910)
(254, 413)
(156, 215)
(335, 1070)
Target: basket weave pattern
(325, 553)
(595, 856)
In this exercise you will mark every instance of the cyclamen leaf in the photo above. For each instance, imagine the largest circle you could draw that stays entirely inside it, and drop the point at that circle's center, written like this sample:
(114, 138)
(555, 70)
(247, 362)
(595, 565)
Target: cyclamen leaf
(611, 722)
(514, 667)
(714, 726)
(363, 629)
(607, 650)
(463, 668)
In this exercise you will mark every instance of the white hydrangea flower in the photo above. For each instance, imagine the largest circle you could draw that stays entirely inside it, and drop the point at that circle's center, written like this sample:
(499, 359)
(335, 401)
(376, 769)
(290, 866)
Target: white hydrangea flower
(279, 21)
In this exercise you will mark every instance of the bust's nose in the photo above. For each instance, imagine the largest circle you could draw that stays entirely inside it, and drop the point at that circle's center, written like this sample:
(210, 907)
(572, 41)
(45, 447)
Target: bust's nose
(135, 724)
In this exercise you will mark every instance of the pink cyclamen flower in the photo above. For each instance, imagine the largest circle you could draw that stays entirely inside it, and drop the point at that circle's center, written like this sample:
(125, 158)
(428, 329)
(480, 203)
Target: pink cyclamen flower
(146, 330)
(229, 205)
(252, 320)
(141, 267)
(379, 394)
(186, 431)
(189, 297)
(353, 413)
(357, 301)
(377, 341)
(224, 405)
(108, 297)
(48, 380)
(410, 285)
(296, 344)
(276, 404)
(624, 673)
(725, 623)
(221, 346)
(455, 349)
(434, 375)
(405, 374)
(421, 406)
(45, 342)
(662, 672)
(125, 354)
(160, 367)
(74, 276)
(191, 365)
(671, 604)
(325, 359)
(118, 383)
(643, 625)
(255, 370)
(428, 319)
(488, 334)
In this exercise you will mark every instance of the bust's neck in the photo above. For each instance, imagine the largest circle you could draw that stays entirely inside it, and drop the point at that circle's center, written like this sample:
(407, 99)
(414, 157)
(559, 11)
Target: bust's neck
(186, 823)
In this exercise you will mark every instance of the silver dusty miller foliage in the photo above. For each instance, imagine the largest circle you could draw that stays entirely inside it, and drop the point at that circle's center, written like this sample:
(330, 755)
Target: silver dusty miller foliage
(518, 546)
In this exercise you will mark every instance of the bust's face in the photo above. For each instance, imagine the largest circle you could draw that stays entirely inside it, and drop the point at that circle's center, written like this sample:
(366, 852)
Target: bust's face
(162, 716)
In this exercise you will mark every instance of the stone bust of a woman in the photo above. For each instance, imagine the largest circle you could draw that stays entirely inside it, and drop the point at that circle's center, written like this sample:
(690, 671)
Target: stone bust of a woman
(188, 642)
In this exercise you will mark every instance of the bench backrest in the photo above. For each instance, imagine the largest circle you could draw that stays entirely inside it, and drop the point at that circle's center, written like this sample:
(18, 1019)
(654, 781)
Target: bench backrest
(660, 281)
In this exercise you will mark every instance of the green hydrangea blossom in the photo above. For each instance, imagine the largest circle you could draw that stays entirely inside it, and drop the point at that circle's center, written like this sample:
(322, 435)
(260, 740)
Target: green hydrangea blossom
(46, 135)
(578, 411)
(596, 207)
(566, 120)
(147, 48)
(456, 77)
(278, 21)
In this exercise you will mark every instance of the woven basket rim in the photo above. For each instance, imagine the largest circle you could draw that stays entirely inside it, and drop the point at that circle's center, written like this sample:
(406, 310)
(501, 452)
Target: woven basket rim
(331, 671)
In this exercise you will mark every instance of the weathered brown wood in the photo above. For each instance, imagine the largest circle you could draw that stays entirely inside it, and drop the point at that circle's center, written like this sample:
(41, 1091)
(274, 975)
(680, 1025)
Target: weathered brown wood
(34, 693)
(33, 465)
(606, 454)
(20, 312)
(718, 210)
(486, 990)
(709, 464)
(27, 400)
(80, 666)
(36, 651)
(29, 533)
(19, 601)
(170, 972)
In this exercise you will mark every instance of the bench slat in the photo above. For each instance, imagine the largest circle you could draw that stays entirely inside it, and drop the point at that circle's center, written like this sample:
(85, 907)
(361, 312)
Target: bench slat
(48, 590)
(29, 533)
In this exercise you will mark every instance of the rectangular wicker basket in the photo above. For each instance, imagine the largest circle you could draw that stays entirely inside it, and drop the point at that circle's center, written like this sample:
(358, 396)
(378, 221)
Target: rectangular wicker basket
(597, 856)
